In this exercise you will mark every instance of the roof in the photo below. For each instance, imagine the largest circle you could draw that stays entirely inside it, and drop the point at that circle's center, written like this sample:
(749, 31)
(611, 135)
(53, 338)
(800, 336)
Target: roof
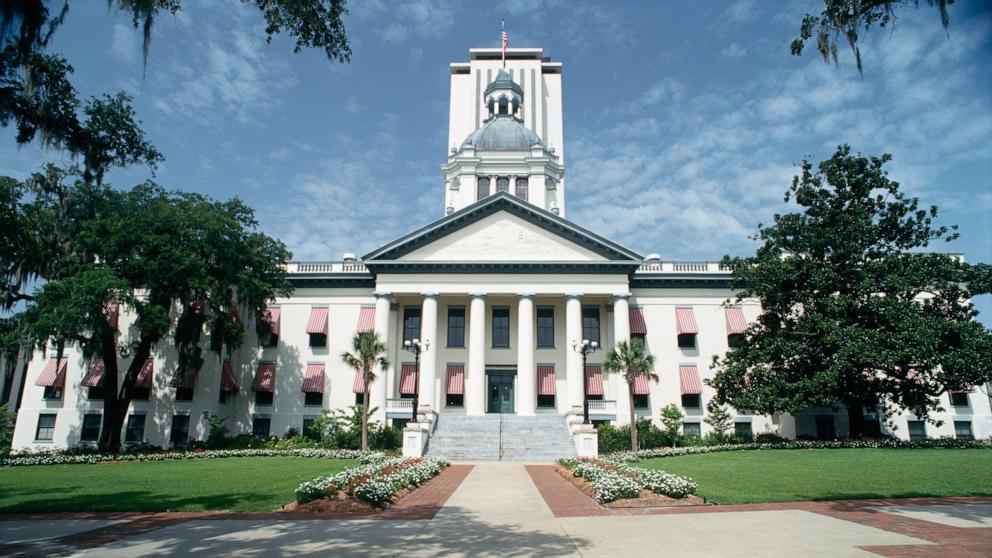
(503, 133)
(504, 81)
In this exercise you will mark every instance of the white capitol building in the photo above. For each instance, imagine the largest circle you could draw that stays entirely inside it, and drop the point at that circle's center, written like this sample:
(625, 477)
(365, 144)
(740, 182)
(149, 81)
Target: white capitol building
(499, 289)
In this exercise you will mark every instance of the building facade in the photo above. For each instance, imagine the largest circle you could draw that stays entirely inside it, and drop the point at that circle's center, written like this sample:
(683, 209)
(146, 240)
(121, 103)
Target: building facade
(500, 290)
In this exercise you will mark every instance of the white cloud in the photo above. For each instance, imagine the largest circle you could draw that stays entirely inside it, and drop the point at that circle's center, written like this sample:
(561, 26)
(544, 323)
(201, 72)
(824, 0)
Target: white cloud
(125, 46)
(733, 51)
(742, 10)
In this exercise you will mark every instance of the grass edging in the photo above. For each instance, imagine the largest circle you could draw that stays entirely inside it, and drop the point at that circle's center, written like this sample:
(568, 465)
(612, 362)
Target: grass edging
(177, 455)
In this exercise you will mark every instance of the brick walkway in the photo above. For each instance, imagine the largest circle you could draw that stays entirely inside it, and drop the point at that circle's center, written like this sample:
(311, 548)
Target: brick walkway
(566, 500)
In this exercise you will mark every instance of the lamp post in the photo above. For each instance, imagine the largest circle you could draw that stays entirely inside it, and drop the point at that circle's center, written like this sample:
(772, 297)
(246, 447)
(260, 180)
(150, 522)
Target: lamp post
(584, 349)
(416, 347)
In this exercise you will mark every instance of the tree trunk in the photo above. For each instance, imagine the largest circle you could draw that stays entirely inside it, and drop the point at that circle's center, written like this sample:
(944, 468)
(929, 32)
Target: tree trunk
(365, 419)
(855, 420)
(116, 401)
(633, 416)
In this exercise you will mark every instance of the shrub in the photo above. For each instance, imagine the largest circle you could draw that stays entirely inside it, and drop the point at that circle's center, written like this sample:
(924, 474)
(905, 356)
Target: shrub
(671, 418)
(769, 438)
(613, 479)
(217, 437)
(6, 429)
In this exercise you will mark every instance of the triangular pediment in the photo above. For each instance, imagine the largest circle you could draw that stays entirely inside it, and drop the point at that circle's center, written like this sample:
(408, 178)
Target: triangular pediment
(502, 229)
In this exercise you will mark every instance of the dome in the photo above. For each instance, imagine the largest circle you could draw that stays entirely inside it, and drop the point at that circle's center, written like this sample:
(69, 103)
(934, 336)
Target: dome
(503, 81)
(503, 133)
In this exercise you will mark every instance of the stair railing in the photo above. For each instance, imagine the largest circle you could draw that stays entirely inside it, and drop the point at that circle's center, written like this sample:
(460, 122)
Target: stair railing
(501, 435)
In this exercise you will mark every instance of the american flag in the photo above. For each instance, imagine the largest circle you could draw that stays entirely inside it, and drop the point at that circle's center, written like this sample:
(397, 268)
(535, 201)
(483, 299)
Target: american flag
(506, 42)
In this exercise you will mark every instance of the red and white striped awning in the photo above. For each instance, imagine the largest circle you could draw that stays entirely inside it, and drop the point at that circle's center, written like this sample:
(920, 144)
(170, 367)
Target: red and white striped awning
(53, 375)
(637, 324)
(408, 379)
(736, 322)
(273, 315)
(112, 311)
(594, 379)
(184, 380)
(313, 380)
(227, 380)
(358, 386)
(318, 320)
(685, 321)
(455, 384)
(689, 379)
(144, 379)
(265, 377)
(366, 319)
(545, 379)
(641, 385)
(94, 375)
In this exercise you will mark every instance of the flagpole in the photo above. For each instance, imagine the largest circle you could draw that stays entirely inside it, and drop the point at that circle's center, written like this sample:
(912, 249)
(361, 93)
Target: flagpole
(502, 39)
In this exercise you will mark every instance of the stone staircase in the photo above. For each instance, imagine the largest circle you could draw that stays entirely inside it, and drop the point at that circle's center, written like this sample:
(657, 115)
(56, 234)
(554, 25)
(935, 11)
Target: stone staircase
(537, 439)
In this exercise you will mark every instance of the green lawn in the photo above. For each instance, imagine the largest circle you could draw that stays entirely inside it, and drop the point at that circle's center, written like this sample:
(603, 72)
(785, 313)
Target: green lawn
(237, 484)
(739, 477)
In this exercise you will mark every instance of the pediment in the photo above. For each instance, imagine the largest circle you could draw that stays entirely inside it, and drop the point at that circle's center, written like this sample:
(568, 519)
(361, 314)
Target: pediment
(501, 229)
(502, 236)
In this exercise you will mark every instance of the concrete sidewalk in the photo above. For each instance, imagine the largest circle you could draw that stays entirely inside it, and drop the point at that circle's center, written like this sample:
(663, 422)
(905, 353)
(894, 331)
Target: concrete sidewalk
(498, 510)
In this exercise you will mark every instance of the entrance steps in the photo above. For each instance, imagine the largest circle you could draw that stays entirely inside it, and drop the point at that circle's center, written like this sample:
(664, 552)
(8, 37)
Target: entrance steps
(537, 439)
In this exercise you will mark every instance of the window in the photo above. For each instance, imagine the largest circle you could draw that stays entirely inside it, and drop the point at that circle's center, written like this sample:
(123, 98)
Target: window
(184, 394)
(308, 429)
(313, 399)
(223, 396)
(454, 400)
(260, 426)
(456, 327)
(743, 430)
(46, 428)
(917, 429)
(270, 340)
(318, 340)
(179, 435)
(141, 393)
(53, 392)
(263, 397)
(503, 184)
(501, 327)
(521, 188)
(400, 423)
(962, 430)
(135, 431)
(482, 189)
(359, 399)
(641, 337)
(590, 323)
(735, 340)
(90, 431)
(545, 328)
(411, 323)
(825, 428)
(691, 400)
(95, 393)
(641, 401)
(871, 427)
(959, 399)
(691, 429)
(597, 397)
(545, 401)
(687, 341)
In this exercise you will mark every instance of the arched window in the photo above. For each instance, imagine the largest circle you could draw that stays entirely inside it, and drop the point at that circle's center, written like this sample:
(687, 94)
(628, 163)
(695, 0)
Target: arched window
(503, 184)
(503, 106)
(521, 188)
(482, 190)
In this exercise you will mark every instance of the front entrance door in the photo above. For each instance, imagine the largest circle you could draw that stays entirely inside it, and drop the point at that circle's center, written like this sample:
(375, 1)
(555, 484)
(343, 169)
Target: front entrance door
(500, 390)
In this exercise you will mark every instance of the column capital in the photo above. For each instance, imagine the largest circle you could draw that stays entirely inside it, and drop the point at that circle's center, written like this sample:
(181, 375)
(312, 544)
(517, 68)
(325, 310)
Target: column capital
(477, 295)
(430, 295)
(573, 295)
(621, 296)
(383, 294)
(525, 295)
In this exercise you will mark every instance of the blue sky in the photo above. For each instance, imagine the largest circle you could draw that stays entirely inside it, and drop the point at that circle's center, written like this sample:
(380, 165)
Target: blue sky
(683, 120)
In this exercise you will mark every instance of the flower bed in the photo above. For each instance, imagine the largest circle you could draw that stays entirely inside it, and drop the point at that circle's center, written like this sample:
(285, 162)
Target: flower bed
(91, 458)
(375, 481)
(613, 481)
(947, 443)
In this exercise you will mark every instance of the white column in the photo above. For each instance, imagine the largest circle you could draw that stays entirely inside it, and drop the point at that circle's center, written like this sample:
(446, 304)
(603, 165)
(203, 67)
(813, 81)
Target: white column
(526, 371)
(379, 394)
(475, 385)
(621, 332)
(428, 358)
(573, 360)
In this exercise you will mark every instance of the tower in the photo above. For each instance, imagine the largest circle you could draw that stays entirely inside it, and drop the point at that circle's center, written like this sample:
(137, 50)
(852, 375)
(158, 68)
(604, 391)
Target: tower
(505, 129)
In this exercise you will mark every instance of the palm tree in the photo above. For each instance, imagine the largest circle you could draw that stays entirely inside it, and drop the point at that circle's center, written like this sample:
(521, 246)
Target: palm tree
(368, 350)
(631, 359)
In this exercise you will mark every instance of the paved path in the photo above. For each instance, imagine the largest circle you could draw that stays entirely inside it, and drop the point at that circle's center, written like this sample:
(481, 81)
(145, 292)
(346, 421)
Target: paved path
(503, 510)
